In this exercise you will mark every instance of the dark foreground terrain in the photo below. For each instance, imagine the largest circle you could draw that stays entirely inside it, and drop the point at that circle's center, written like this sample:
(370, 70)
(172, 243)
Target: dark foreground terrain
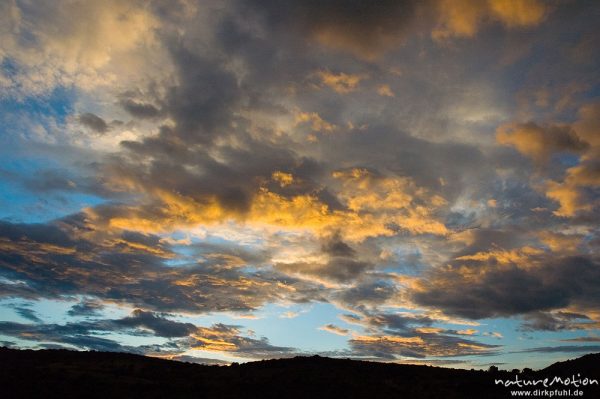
(68, 374)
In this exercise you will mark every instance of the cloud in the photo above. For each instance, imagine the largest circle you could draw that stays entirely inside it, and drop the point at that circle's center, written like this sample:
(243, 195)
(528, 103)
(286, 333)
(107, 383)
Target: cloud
(70, 334)
(93, 122)
(334, 329)
(139, 109)
(391, 347)
(369, 293)
(160, 326)
(385, 90)
(81, 43)
(230, 189)
(556, 321)
(573, 189)
(86, 308)
(263, 153)
(289, 315)
(396, 335)
(338, 270)
(582, 339)
(335, 246)
(224, 338)
(340, 82)
(463, 18)
(52, 262)
(565, 348)
(539, 142)
(316, 123)
(571, 194)
(362, 29)
(202, 102)
(368, 30)
(27, 313)
(486, 288)
(217, 338)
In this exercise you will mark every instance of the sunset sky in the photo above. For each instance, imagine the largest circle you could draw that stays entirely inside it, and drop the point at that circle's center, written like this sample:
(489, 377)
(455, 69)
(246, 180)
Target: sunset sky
(219, 181)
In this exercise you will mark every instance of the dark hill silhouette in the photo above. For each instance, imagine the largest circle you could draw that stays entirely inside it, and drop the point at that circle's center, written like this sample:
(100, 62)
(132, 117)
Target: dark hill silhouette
(586, 365)
(70, 374)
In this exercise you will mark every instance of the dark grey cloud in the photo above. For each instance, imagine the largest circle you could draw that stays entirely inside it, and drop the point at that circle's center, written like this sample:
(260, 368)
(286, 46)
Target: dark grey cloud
(544, 321)
(512, 289)
(86, 308)
(139, 109)
(565, 348)
(202, 104)
(335, 246)
(359, 27)
(93, 122)
(26, 312)
(377, 321)
(338, 269)
(70, 334)
(582, 339)
(160, 326)
(369, 292)
(397, 322)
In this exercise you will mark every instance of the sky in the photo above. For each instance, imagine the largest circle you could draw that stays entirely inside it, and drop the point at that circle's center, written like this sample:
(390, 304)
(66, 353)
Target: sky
(228, 181)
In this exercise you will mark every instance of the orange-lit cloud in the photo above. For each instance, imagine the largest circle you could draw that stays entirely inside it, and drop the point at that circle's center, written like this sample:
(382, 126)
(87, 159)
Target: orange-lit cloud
(284, 179)
(463, 18)
(316, 123)
(524, 255)
(539, 142)
(561, 243)
(334, 329)
(417, 346)
(385, 90)
(340, 82)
